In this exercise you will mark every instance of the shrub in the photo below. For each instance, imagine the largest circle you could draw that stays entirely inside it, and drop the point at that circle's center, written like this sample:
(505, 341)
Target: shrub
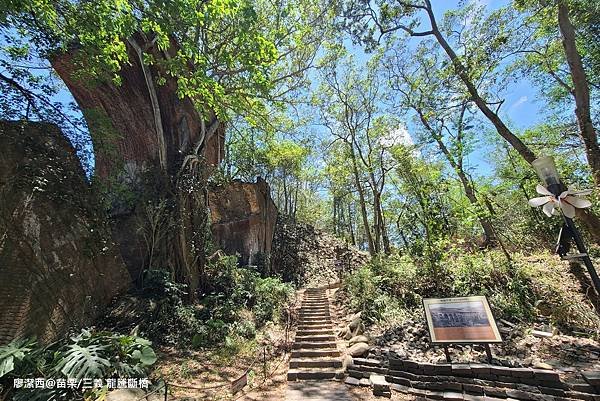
(86, 355)
(526, 289)
(271, 295)
(236, 301)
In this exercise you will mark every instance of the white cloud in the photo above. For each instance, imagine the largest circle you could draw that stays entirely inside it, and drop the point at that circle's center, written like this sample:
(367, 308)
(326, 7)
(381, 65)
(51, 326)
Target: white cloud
(399, 136)
(519, 102)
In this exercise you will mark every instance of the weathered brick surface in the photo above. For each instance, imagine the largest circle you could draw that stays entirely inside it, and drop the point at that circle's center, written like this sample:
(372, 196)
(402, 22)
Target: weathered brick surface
(58, 263)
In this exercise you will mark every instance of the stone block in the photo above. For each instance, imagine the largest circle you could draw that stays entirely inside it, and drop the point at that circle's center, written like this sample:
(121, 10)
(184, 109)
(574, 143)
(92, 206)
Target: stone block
(436, 386)
(461, 370)
(443, 369)
(579, 396)
(500, 371)
(473, 389)
(591, 377)
(420, 384)
(352, 381)
(399, 380)
(401, 373)
(375, 363)
(399, 387)
(453, 386)
(519, 394)
(417, 392)
(453, 396)
(557, 392)
(396, 363)
(582, 387)
(546, 375)
(480, 368)
(496, 392)
(473, 397)
(522, 372)
(435, 395)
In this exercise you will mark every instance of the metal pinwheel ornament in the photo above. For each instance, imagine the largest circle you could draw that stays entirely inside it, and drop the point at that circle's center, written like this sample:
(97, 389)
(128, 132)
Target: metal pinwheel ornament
(566, 202)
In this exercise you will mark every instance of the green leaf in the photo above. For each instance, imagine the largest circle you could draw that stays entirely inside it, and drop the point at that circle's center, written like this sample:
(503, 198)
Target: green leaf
(146, 356)
(80, 362)
(15, 350)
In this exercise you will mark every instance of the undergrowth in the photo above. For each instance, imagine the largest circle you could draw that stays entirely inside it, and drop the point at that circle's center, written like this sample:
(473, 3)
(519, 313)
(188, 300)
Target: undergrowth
(526, 289)
(86, 356)
(236, 303)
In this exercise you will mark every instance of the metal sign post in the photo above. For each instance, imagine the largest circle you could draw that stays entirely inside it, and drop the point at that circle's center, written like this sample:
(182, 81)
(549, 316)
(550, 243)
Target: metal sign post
(546, 170)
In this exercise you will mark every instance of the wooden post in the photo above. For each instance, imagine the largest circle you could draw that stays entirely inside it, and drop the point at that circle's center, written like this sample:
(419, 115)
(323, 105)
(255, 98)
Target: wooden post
(166, 390)
(488, 352)
(265, 362)
(447, 352)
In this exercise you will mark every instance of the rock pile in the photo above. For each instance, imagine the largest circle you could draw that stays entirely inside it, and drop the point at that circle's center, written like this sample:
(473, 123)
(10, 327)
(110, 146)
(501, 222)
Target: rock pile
(310, 257)
(522, 347)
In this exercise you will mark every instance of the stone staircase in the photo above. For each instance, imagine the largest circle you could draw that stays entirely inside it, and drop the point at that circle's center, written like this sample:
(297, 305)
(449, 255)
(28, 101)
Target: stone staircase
(315, 355)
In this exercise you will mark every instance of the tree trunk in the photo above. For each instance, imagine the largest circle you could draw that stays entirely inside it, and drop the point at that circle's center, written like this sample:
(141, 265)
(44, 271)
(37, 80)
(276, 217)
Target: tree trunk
(588, 219)
(387, 249)
(486, 225)
(363, 206)
(460, 69)
(156, 147)
(376, 215)
(581, 92)
(350, 225)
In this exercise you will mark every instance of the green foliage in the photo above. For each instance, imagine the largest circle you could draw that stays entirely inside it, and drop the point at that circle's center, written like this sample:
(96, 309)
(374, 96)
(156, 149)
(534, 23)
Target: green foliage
(237, 302)
(14, 353)
(80, 362)
(271, 295)
(86, 355)
(526, 289)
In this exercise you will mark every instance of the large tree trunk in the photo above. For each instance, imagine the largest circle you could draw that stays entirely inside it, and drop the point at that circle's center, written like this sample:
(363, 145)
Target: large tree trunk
(155, 147)
(581, 92)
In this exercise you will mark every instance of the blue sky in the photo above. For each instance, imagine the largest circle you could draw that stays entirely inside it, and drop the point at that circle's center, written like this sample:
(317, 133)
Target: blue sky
(520, 110)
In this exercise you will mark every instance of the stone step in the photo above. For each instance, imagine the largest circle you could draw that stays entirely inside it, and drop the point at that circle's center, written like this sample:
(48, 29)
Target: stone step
(307, 312)
(311, 331)
(317, 338)
(316, 322)
(315, 319)
(314, 312)
(324, 362)
(315, 353)
(315, 325)
(313, 374)
(313, 345)
(315, 363)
